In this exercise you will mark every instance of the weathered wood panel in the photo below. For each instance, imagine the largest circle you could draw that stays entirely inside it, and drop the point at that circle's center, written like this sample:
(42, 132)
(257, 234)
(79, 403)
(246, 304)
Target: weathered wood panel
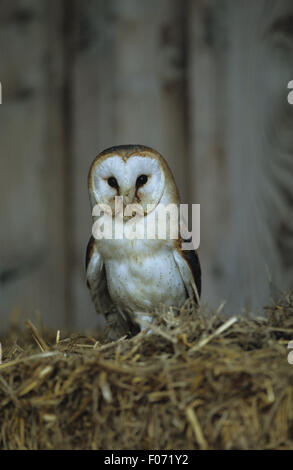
(31, 164)
(242, 145)
(208, 176)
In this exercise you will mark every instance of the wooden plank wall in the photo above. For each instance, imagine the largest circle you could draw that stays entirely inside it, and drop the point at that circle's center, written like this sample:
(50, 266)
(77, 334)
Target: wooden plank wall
(32, 262)
(202, 81)
(241, 147)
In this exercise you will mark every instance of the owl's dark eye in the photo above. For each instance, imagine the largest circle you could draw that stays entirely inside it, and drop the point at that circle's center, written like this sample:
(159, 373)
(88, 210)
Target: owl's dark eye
(112, 182)
(141, 180)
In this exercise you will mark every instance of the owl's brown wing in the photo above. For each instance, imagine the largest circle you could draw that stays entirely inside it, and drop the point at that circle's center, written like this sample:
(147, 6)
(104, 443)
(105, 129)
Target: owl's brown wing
(96, 278)
(192, 259)
(189, 266)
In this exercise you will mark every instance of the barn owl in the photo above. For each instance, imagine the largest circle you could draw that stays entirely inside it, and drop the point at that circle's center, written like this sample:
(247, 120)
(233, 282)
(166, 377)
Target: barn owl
(130, 278)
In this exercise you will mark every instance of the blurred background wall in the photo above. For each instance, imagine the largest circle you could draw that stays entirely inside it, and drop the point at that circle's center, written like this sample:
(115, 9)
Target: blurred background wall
(204, 82)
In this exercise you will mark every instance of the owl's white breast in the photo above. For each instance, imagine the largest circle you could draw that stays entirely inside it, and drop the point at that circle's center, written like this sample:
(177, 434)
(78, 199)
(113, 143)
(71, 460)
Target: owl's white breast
(142, 274)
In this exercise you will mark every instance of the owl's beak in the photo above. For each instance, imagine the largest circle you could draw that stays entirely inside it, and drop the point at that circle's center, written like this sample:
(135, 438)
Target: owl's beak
(128, 197)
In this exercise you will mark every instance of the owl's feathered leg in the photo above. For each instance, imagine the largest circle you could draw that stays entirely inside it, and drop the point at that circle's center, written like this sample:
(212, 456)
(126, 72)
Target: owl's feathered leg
(131, 324)
(146, 321)
(119, 324)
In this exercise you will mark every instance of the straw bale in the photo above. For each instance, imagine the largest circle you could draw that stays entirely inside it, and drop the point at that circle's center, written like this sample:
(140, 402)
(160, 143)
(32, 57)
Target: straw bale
(197, 380)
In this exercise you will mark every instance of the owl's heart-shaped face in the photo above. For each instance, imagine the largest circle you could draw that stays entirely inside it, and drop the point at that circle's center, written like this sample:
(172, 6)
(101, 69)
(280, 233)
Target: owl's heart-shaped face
(137, 180)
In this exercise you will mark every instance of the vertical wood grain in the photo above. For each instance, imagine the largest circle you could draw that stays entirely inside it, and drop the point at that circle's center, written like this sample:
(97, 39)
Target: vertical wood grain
(31, 167)
(241, 139)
